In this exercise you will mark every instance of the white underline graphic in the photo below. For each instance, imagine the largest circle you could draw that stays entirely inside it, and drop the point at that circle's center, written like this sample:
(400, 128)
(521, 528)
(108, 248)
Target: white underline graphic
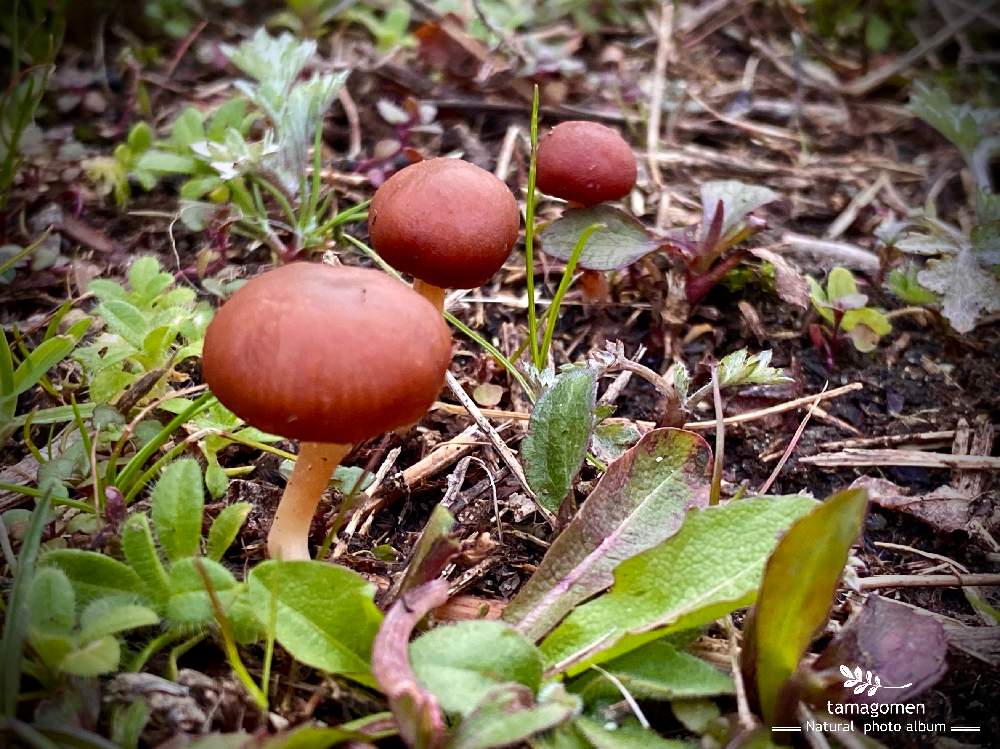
(965, 728)
(790, 728)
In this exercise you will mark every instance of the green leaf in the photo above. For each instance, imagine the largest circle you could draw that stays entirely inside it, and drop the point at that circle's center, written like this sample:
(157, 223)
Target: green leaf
(146, 279)
(326, 616)
(41, 359)
(189, 599)
(51, 603)
(840, 283)
(877, 33)
(178, 501)
(623, 240)
(558, 435)
(140, 138)
(96, 575)
(124, 319)
(904, 284)
(507, 716)
(738, 201)
(141, 555)
(460, 663)
(639, 502)
(656, 671)
(711, 567)
(15, 623)
(109, 617)
(628, 736)
(96, 657)
(962, 124)
(188, 128)
(797, 591)
(164, 162)
(225, 528)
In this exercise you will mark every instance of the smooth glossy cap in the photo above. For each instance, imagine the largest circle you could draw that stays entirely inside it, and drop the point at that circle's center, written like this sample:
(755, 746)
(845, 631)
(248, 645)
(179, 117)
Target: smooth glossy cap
(444, 221)
(326, 354)
(585, 162)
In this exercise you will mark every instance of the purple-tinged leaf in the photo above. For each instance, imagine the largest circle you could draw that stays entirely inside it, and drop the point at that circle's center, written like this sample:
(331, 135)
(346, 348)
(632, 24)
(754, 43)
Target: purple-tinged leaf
(904, 647)
(434, 550)
(623, 240)
(795, 597)
(639, 502)
(417, 712)
(737, 199)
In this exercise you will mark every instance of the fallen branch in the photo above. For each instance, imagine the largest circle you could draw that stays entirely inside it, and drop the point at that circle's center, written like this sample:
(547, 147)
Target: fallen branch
(877, 582)
(912, 458)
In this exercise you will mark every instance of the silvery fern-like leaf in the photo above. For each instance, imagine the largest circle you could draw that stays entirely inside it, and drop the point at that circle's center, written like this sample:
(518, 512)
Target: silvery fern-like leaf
(274, 62)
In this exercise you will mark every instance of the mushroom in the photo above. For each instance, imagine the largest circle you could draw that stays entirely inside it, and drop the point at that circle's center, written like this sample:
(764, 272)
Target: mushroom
(329, 356)
(585, 163)
(446, 222)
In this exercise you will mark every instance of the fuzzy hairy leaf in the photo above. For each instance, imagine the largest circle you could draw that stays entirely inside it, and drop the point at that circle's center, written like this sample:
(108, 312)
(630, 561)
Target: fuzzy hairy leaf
(962, 124)
(709, 568)
(189, 598)
(109, 617)
(142, 556)
(51, 603)
(623, 240)
(797, 591)
(968, 291)
(93, 658)
(326, 616)
(96, 575)
(558, 435)
(225, 528)
(640, 501)
(178, 501)
(629, 736)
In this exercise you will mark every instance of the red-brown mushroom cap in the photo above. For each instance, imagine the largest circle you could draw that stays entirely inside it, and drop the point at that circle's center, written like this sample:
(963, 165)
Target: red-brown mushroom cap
(444, 221)
(585, 162)
(326, 354)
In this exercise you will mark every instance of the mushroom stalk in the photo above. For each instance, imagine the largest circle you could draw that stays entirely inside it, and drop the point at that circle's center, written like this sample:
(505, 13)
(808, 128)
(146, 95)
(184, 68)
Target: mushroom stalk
(289, 535)
(430, 292)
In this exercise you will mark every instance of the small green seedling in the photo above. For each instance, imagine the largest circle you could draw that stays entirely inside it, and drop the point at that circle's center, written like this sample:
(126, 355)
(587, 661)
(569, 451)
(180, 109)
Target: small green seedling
(844, 311)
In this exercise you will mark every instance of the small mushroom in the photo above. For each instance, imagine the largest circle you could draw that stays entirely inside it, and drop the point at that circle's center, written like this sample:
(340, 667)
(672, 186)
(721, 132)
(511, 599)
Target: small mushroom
(585, 163)
(329, 356)
(446, 222)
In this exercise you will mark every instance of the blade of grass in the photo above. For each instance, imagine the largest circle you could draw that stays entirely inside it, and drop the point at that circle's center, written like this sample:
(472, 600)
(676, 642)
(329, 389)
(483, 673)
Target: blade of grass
(529, 236)
(16, 624)
(567, 279)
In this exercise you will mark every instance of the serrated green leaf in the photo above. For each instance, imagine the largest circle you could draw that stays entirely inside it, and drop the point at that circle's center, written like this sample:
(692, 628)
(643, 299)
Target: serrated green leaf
(225, 528)
(962, 124)
(189, 599)
(124, 319)
(109, 617)
(141, 555)
(51, 603)
(796, 594)
(640, 501)
(623, 240)
(460, 663)
(178, 501)
(95, 575)
(94, 658)
(326, 618)
(146, 279)
(709, 568)
(656, 671)
(558, 435)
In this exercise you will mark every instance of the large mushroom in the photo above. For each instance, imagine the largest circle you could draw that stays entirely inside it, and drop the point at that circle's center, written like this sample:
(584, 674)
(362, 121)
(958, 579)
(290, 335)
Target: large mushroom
(329, 356)
(585, 163)
(446, 222)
